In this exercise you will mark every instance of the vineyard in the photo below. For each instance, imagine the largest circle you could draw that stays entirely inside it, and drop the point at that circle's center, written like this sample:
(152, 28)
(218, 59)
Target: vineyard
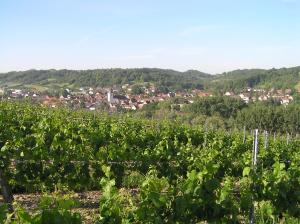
(146, 171)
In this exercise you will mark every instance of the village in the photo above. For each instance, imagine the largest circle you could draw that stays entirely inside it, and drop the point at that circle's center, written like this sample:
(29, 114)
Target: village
(248, 95)
(129, 97)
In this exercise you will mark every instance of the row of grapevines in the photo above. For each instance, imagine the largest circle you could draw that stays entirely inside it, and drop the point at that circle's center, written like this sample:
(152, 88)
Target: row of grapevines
(181, 173)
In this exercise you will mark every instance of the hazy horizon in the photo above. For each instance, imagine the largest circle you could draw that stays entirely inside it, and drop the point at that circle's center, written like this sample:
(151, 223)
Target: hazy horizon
(210, 36)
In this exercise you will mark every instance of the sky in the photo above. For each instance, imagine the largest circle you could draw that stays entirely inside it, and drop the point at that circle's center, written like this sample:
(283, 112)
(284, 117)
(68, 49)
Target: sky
(212, 36)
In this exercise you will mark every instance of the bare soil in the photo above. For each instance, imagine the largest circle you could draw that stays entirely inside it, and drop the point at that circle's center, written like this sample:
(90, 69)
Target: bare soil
(88, 208)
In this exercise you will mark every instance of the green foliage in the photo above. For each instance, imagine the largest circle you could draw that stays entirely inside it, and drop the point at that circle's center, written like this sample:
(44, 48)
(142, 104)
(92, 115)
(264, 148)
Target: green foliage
(115, 206)
(164, 80)
(137, 89)
(222, 106)
(52, 209)
(3, 213)
(284, 78)
(105, 77)
(270, 117)
(132, 179)
(155, 199)
(179, 173)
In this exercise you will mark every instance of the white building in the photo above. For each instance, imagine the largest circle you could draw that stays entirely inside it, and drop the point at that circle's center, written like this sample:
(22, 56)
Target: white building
(110, 97)
(229, 94)
(245, 97)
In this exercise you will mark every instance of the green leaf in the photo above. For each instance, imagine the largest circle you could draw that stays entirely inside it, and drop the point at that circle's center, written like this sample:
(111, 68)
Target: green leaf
(246, 171)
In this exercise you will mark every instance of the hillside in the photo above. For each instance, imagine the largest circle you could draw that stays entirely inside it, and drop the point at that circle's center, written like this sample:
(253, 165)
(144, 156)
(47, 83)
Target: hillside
(283, 78)
(174, 80)
(104, 77)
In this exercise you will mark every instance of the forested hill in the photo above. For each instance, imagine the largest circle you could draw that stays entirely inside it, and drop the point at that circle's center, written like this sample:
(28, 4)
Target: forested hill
(106, 77)
(283, 78)
(259, 78)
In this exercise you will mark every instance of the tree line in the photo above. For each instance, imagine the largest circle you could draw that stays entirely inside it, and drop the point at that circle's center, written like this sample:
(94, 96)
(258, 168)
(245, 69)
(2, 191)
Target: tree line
(228, 113)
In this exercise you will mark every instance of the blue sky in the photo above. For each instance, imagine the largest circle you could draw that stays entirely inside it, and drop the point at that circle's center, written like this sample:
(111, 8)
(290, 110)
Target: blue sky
(209, 35)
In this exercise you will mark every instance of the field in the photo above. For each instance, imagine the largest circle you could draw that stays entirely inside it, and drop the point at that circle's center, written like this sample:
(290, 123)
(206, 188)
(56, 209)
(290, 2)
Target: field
(146, 171)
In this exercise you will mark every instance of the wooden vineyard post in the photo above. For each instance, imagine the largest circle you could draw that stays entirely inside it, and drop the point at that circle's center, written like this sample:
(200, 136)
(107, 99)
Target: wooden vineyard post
(254, 162)
(6, 191)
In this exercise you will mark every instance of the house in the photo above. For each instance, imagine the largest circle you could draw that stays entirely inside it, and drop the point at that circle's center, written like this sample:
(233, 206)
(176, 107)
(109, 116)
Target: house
(171, 94)
(229, 94)
(17, 93)
(245, 97)
(263, 98)
(288, 91)
(285, 101)
(279, 91)
(50, 101)
(125, 86)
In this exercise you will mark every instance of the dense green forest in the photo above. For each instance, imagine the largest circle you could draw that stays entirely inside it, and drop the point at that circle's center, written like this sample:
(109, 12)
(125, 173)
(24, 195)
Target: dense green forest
(106, 77)
(274, 78)
(283, 78)
(228, 113)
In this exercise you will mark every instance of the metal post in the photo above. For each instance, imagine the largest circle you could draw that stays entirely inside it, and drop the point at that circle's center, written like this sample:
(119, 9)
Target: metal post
(255, 147)
(244, 137)
(254, 162)
(266, 139)
(205, 133)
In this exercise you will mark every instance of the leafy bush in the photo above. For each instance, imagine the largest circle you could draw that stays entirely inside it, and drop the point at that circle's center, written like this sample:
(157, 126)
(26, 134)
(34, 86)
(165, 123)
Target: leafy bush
(52, 209)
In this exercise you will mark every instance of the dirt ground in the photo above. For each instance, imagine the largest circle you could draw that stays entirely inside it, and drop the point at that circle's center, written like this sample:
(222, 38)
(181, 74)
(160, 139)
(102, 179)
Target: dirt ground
(88, 208)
